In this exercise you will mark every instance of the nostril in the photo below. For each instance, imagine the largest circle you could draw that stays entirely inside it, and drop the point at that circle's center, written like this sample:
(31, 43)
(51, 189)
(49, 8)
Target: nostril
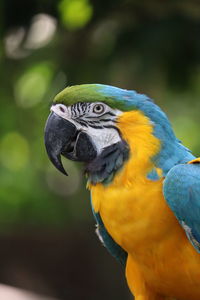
(61, 108)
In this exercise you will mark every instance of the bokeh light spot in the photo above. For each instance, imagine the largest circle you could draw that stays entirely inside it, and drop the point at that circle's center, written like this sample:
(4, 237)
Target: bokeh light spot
(75, 13)
(14, 151)
(33, 84)
(13, 43)
(41, 32)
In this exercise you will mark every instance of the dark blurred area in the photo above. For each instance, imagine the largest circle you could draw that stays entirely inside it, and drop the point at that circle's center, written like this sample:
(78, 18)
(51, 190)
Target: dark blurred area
(47, 238)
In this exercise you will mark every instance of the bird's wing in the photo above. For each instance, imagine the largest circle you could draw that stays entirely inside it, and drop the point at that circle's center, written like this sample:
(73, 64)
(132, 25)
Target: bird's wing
(113, 248)
(182, 193)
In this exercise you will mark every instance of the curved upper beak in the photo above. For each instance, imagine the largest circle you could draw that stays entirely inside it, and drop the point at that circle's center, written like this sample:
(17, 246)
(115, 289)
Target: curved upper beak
(58, 135)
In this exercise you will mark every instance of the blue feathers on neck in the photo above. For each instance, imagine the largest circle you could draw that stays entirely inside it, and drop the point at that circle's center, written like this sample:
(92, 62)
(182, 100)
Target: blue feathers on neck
(172, 151)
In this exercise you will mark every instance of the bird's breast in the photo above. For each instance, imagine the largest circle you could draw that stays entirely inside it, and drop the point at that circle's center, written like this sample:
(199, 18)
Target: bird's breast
(134, 215)
(140, 221)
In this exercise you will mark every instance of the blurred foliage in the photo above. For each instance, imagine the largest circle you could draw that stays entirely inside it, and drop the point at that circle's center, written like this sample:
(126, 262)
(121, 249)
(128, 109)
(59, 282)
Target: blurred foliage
(153, 47)
(75, 14)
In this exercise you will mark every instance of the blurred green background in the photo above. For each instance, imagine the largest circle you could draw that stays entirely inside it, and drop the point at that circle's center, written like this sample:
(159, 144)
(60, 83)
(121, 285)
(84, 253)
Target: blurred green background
(47, 240)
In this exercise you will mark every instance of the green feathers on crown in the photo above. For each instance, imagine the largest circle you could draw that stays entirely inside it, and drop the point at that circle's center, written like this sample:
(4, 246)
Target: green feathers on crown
(114, 97)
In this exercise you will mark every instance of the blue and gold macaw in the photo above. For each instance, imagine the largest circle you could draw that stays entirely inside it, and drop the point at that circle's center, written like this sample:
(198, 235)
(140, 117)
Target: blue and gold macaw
(145, 185)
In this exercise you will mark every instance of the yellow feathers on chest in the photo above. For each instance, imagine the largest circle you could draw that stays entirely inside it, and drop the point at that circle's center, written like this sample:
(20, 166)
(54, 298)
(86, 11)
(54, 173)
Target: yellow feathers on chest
(135, 214)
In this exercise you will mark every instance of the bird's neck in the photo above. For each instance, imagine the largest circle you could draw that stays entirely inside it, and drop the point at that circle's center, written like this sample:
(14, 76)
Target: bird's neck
(153, 151)
(149, 156)
(137, 131)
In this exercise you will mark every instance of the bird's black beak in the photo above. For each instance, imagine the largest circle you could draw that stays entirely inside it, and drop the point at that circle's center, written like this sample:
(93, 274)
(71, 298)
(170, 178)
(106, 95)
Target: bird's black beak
(62, 138)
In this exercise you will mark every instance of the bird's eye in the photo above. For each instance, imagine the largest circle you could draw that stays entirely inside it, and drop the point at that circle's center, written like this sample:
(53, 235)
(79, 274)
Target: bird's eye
(98, 109)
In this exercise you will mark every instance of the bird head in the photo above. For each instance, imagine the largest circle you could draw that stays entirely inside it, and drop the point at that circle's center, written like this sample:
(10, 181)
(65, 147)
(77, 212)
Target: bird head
(104, 126)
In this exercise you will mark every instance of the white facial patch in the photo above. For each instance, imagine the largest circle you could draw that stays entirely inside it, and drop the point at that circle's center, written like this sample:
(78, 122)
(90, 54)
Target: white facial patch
(103, 136)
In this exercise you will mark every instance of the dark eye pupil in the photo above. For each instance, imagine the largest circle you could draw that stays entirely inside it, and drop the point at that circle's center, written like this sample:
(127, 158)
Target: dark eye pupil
(98, 108)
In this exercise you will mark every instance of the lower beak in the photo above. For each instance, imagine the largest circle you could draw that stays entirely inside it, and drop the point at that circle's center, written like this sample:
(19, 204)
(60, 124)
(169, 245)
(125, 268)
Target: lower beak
(62, 137)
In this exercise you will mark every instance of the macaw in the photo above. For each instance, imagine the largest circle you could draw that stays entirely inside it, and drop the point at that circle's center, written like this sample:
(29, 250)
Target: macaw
(144, 184)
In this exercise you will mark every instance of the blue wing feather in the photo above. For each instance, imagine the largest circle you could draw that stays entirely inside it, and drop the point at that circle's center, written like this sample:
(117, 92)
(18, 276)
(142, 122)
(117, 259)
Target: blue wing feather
(182, 193)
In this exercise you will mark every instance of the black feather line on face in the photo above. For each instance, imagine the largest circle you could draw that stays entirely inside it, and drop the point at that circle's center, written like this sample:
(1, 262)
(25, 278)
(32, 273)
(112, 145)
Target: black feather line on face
(96, 126)
(106, 120)
(93, 122)
(78, 108)
(100, 116)
(103, 167)
(81, 122)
